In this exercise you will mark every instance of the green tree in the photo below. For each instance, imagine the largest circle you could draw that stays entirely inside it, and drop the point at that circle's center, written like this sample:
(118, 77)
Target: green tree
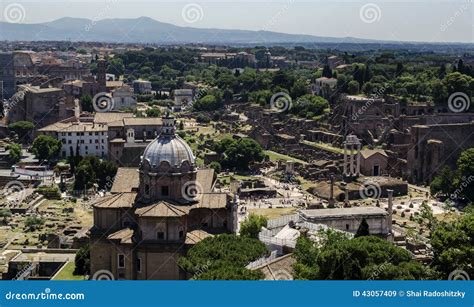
(33, 222)
(443, 182)
(465, 166)
(252, 225)
(453, 247)
(239, 154)
(49, 192)
(309, 106)
(46, 147)
(223, 257)
(21, 128)
(299, 88)
(363, 229)
(262, 97)
(327, 72)
(91, 170)
(14, 152)
(216, 166)
(82, 261)
(153, 112)
(115, 66)
(203, 119)
(86, 104)
(399, 69)
(84, 177)
(439, 92)
(208, 103)
(457, 82)
(5, 214)
(357, 259)
(353, 87)
(426, 216)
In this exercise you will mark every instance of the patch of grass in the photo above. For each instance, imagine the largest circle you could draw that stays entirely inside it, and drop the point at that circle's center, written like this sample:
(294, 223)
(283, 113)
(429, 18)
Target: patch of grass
(275, 156)
(66, 273)
(273, 212)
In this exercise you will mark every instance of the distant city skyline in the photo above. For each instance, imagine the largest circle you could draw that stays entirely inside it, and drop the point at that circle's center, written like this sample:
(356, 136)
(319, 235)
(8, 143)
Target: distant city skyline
(418, 20)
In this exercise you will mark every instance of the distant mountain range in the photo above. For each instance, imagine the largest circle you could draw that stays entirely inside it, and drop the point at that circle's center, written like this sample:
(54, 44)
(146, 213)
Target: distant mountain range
(148, 30)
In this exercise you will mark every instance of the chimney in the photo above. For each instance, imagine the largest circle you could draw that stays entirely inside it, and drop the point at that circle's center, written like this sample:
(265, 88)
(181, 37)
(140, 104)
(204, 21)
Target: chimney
(390, 209)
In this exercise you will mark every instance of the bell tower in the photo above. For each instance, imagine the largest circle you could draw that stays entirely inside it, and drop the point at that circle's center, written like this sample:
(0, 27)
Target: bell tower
(101, 77)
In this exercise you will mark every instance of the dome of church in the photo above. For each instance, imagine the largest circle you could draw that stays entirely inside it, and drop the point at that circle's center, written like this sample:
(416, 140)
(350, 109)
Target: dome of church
(168, 150)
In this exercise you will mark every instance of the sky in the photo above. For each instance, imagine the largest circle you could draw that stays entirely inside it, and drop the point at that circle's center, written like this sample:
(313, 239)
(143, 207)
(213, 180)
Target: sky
(397, 20)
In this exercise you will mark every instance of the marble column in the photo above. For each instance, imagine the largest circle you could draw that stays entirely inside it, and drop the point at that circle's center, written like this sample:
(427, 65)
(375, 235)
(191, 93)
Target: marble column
(390, 209)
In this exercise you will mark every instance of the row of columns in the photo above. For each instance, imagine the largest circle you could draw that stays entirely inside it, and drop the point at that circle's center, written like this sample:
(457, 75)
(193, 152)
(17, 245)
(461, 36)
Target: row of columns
(352, 144)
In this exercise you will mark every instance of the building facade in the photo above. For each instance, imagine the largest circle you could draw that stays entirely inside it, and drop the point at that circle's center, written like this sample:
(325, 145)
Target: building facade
(123, 98)
(142, 87)
(153, 218)
(7, 75)
(79, 139)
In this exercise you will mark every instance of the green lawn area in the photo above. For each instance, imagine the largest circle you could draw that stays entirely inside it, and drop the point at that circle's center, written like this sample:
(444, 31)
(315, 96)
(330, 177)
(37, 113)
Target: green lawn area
(66, 273)
(275, 156)
(272, 213)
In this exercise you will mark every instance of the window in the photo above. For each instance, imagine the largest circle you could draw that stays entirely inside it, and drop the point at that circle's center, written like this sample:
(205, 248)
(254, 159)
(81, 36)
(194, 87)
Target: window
(165, 191)
(160, 235)
(139, 265)
(181, 234)
(121, 261)
(147, 189)
(347, 226)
